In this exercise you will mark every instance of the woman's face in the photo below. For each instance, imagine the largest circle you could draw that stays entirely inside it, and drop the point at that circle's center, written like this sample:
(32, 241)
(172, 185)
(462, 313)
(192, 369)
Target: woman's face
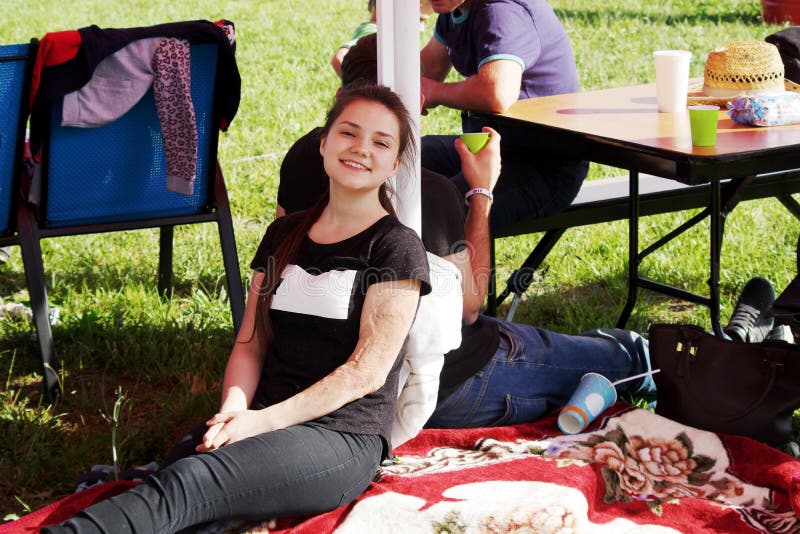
(361, 149)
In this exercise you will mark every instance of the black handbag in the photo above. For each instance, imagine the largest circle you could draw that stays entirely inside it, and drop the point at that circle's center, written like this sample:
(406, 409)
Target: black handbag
(707, 382)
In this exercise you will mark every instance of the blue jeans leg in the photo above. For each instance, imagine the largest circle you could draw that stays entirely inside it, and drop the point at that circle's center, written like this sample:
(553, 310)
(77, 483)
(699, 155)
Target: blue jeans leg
(535, 371)
(300, 470)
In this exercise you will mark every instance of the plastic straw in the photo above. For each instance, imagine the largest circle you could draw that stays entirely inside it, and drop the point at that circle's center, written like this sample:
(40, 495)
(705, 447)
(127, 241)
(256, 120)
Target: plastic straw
(634, 377)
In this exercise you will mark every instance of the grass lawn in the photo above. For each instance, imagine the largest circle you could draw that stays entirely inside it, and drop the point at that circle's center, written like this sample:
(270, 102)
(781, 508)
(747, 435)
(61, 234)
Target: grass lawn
(166, 358)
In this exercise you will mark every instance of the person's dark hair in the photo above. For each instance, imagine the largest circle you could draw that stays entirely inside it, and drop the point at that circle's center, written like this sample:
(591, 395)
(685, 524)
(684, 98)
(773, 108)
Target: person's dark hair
(289, 246)
(360, 64)
(370, 5)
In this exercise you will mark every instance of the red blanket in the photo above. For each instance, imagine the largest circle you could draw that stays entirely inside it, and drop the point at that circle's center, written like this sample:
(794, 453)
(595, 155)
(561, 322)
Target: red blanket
(633, 472)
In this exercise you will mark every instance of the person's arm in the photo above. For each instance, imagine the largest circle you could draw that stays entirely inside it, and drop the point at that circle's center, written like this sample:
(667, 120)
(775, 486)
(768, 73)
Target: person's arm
(336, 59)
(424, 355)
(279, 211)
(386, 317)
(494, 88)
(479, 170)
(434, 61)
(244, 365)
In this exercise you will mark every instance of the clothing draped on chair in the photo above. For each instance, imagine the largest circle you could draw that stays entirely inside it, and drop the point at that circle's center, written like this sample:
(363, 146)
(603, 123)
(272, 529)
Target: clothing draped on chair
(149, 160)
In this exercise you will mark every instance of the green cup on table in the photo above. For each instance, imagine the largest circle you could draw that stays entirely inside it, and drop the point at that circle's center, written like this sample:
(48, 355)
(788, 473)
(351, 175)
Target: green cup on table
(703, 122)
(475, 141)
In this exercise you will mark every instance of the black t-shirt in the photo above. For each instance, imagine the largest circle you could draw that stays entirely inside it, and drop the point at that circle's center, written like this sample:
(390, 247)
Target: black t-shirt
(303, 181)
(479, 342)
(316, 314)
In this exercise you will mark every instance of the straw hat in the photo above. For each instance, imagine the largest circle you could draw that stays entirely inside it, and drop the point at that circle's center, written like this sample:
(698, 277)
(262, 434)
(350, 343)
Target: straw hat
(743, 68)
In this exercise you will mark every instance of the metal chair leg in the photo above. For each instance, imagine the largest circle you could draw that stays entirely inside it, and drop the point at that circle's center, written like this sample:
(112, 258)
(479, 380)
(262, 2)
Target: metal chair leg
(521, 279)
(230, 257)
(34, 275)
(165, 261)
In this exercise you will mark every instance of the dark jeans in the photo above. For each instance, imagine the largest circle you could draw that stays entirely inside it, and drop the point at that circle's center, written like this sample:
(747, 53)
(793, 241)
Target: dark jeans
(300, 470)
(529, 186)
(535, 371)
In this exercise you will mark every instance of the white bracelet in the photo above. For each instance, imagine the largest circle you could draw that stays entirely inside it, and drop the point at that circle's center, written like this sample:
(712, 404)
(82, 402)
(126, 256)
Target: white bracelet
(478, 191)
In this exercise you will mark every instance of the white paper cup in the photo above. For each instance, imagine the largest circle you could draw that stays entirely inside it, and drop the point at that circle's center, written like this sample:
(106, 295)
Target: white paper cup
(672, 79)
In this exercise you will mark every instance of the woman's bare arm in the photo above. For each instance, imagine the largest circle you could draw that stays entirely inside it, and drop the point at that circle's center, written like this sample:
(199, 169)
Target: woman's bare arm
(243, 370)
(386, 317)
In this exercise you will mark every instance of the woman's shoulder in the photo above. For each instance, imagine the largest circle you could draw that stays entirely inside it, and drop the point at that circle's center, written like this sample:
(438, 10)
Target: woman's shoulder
(283, 225)
(394, 239)
(400, 250)
(276, 232)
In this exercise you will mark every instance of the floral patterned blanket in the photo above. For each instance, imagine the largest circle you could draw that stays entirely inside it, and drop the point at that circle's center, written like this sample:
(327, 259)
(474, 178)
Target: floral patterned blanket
(633, 472)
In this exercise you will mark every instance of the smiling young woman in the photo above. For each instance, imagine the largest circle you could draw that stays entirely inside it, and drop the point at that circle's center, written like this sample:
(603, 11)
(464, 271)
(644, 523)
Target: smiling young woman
(359, 150)
(310, 388)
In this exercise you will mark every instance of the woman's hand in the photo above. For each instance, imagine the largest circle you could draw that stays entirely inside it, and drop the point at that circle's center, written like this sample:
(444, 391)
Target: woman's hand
(229, 427)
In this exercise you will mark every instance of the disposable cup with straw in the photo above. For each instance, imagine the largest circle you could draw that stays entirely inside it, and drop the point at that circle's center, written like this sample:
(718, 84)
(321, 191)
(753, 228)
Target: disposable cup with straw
(594, 394)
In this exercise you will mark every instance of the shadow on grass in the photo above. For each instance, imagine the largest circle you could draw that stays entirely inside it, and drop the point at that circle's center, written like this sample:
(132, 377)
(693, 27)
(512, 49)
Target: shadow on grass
(11, 281)
(598, 304)
(91, 278)
(144, 347)
(170, 376)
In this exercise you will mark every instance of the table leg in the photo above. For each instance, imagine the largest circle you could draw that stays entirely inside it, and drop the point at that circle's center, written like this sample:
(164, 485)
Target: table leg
(715, 252)
(633, 249)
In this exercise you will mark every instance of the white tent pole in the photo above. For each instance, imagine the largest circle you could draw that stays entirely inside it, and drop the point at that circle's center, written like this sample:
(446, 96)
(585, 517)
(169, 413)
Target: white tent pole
(398, 68)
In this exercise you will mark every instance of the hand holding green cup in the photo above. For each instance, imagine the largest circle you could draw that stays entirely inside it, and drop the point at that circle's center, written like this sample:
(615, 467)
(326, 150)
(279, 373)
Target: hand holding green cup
(475, 141)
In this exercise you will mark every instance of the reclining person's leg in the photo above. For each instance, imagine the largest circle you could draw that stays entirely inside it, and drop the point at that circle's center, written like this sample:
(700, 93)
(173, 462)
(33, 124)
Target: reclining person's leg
(535, 371)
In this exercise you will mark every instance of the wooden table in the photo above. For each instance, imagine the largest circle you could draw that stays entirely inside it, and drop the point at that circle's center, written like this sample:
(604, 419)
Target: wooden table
(622, 127)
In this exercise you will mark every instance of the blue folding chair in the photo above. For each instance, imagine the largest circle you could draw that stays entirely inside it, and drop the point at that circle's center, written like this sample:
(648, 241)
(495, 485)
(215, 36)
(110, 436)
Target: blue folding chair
(113, 178)
(15, 75)
(13, 89)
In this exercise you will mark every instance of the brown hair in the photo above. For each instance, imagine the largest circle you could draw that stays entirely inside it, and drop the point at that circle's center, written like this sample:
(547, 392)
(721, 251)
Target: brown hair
(290, 244)
(360, 64)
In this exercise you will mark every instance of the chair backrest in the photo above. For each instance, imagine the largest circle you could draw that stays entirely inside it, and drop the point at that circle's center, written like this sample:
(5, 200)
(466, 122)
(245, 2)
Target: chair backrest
(13, 61)
(117, 172)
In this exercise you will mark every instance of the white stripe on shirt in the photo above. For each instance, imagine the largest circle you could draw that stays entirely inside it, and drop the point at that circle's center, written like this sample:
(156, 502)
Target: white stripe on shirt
(324, 295)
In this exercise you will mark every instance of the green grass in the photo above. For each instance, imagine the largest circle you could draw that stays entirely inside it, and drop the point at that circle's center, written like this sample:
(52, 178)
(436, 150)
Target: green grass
(168, 357)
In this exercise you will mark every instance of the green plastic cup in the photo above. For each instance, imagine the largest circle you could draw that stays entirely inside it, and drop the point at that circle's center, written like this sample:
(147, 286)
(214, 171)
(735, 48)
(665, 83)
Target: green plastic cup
(475, 141)
(703, 121)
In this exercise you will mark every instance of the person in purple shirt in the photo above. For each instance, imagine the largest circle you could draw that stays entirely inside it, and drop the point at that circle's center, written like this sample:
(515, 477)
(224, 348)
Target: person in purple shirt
(506, 50)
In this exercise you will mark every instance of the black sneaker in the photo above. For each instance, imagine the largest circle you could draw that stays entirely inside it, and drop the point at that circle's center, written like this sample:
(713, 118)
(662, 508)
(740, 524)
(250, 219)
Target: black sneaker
(751, 320)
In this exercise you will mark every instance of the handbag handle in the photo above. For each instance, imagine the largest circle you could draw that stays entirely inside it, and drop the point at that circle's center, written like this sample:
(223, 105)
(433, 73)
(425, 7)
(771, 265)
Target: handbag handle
(773, 373)
(688, 347)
